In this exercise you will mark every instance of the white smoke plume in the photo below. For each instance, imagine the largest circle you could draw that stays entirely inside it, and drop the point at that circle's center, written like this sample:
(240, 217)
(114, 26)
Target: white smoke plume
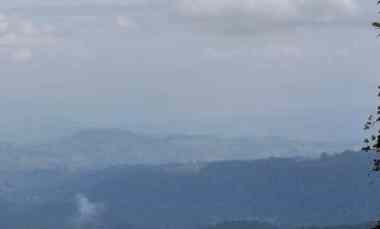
(88, 213)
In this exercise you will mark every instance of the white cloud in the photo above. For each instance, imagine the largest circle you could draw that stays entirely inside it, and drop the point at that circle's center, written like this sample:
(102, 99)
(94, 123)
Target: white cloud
(28, 28)
(124, 22)
(22, 55)
(256, 13)
(4, 24)
(19, 36)
(16, 40)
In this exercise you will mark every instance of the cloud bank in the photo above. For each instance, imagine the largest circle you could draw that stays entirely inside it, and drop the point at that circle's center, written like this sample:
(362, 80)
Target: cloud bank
(257, 13)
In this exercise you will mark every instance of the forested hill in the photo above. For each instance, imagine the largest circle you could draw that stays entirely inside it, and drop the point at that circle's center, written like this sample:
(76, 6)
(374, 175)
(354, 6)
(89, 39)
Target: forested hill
(331, 190)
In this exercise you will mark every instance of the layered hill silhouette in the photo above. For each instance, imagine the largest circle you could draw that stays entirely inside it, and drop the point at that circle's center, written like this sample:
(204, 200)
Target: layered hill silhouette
(101, 148)
(330, 190)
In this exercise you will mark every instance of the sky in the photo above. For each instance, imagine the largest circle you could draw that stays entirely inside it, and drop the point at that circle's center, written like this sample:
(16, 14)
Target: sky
(303, 69)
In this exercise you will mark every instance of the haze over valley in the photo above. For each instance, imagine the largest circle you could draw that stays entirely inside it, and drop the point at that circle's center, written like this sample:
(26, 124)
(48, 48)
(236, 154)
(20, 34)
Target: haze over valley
(189, 114)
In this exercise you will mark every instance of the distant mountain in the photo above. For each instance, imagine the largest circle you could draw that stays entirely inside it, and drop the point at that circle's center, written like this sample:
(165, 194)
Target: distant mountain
(100, 148)
(331, 190)
(25, 128)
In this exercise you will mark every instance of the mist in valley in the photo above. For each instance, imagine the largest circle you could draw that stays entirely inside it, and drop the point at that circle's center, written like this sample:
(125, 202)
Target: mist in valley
(194, 114)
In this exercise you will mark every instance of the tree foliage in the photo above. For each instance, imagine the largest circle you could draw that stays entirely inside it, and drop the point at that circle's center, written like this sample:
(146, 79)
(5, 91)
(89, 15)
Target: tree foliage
(376, 24)
(372, 143)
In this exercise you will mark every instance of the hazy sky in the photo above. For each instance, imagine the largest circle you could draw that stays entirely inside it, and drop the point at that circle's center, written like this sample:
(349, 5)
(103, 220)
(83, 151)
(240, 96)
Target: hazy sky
(298, 68)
